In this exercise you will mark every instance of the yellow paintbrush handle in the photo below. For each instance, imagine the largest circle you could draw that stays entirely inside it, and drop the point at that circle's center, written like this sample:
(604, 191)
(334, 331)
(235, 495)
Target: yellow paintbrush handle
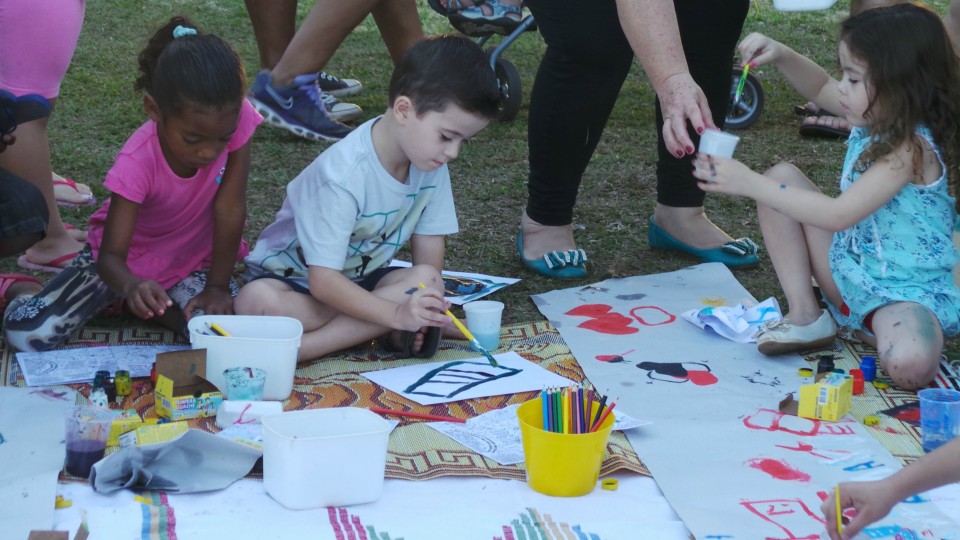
(456, 321)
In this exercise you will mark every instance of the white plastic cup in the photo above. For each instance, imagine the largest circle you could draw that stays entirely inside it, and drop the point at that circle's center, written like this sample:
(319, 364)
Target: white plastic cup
(483, 321)
(718, 143)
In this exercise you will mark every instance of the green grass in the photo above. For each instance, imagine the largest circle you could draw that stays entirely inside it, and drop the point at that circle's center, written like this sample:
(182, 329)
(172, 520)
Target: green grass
(98, 110)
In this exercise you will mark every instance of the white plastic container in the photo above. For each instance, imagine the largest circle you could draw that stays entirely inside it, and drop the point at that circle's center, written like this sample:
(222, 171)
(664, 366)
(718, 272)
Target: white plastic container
(803, 5)
(324, 457)
(268, 343)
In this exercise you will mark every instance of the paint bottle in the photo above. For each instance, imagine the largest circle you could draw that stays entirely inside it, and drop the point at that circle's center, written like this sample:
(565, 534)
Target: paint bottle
(857, 380)
(98, 398)
(825, 365)
(100, 378)
(868, 365)
(122, 381)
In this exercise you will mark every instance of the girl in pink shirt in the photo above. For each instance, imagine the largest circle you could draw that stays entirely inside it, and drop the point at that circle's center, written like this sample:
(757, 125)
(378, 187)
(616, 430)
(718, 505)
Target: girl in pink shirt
(166, 241)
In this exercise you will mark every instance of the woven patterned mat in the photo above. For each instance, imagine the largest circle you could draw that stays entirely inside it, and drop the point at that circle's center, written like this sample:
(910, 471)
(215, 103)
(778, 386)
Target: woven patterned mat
(416, 452)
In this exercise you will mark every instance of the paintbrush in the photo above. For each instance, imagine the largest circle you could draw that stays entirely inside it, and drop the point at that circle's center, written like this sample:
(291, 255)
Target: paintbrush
(473, 340)
(741, 83)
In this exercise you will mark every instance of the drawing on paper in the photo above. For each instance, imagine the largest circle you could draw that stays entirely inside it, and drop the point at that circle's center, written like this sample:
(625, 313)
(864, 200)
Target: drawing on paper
(468, 378)
(613, 358)
(458, 376)
(758, 377)
(770, 420)
(778, 468)
(679, 372)
(604, 320)
(788, 515)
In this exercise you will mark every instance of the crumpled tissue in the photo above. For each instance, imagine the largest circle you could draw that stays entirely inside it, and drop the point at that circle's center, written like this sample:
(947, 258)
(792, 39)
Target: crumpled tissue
(736, 323)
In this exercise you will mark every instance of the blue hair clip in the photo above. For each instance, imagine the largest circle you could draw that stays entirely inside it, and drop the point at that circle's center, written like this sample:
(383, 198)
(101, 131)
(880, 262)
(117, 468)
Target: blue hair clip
(181, 31)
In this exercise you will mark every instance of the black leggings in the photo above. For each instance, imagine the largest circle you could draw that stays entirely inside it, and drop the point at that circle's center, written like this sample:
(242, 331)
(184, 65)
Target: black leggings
(586, 61)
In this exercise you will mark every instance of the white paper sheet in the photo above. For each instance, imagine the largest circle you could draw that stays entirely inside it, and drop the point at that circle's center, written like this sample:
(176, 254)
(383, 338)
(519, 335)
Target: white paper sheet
(463, 287)
(32, 452)
(445, 508)
(454, 380)
(65, 366)
(496, 434)
(730, 463)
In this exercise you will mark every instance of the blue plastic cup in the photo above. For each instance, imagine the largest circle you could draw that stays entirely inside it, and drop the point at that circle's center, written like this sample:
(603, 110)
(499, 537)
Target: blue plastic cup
(939, 416)
(483, 321)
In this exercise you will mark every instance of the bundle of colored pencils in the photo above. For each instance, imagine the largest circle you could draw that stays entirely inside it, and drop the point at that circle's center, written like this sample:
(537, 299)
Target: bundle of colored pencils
(568, 410)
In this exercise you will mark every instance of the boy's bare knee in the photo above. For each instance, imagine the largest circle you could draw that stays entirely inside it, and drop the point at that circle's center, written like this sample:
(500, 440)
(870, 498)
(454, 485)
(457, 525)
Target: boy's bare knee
(425, 273)
(255, 298)
(911, 366)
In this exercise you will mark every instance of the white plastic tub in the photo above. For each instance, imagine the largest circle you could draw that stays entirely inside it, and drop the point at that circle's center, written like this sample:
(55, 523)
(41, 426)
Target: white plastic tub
(268, 343)
(803, 5)
(324, 457)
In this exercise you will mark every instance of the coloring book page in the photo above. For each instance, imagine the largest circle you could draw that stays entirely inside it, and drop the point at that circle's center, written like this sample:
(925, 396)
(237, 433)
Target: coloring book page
(463, 287)
(453, 380)
(730, 464)
(496, 434)
(65, 366)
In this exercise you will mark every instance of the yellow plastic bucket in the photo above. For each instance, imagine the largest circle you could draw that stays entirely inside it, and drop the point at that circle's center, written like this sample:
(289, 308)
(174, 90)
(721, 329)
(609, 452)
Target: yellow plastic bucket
(561, 465)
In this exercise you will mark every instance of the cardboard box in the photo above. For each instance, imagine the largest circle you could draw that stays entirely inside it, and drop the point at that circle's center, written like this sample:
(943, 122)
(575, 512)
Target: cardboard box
(153, 434)
(182, 391)
(828, 398)
(126, 420)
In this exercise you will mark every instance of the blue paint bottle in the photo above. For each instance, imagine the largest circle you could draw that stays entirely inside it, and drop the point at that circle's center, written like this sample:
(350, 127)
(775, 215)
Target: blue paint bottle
(868, 365)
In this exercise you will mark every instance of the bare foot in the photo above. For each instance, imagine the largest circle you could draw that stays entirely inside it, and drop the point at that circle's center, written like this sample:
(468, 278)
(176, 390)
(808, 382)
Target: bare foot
(75, 233)
(52, 248)
(396, 340)
(690, 226)
(538, 240)
(67, 191)
(834, 122)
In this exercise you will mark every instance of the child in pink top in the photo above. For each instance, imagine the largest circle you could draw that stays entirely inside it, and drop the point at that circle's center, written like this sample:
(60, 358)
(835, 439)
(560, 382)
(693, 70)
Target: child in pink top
(168, 238)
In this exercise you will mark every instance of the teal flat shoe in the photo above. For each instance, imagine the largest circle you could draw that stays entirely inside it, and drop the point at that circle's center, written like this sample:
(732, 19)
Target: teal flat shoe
(570, 264)
(741, 253)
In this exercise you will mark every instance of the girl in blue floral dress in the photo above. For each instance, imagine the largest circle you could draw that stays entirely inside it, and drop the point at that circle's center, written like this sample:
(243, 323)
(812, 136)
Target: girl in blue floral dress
(882, 251)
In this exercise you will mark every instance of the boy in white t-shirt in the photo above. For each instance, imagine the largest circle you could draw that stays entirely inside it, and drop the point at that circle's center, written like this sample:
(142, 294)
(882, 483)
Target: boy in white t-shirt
(350, 211)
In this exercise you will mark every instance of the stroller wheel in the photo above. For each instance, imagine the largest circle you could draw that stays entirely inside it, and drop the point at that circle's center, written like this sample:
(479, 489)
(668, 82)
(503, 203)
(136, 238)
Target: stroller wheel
(746, 112)
(511, 88)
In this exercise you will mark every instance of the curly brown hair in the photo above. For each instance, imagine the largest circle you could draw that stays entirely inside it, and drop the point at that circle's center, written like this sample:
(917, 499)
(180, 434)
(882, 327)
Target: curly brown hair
(915, 76)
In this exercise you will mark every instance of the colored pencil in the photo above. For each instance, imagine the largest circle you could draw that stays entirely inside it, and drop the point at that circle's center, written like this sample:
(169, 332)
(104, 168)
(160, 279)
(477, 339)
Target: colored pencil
(422, 416)
(836, 495)
(473, 340)
(604, 416)
(581, 416)
(566, 405)
(596, 417)
(543, 405)
(217, 329)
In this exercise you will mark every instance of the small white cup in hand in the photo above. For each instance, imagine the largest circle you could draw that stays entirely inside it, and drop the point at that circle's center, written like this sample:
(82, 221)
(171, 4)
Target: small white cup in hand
(718, 143)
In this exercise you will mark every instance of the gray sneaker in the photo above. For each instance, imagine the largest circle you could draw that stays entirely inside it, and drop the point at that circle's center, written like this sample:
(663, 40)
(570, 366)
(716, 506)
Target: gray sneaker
(782, 336)
(335, 86)
(338, 110)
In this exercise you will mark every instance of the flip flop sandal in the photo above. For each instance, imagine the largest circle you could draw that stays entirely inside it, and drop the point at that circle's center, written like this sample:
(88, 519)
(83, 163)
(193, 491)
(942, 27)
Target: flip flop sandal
(86, 199)
(6, 280)
(431, 342)
(823, 132)
(55, 266)
(15, 110)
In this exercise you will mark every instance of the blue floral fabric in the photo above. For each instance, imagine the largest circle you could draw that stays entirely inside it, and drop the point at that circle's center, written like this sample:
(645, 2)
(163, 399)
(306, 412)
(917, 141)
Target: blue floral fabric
(903, 252)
